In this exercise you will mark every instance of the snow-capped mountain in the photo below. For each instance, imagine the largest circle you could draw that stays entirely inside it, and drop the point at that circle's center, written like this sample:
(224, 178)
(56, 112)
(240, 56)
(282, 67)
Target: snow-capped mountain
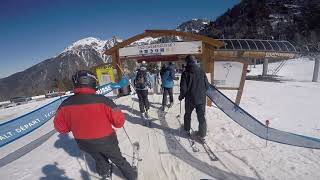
(80, 47)
(57, 71)
(194, 25)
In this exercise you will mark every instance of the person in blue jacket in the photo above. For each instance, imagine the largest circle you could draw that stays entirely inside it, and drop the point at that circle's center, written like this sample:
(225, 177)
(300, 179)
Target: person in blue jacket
(167, 74)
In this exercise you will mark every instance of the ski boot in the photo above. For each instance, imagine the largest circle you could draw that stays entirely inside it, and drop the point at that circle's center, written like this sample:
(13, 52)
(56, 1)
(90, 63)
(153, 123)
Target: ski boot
(200, 138)
(108, 174)
(170, 105)
(146, 114)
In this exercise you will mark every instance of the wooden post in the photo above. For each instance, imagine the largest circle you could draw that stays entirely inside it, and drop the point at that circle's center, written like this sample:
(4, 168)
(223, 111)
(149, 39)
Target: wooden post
(243, 79)
(207, 65)
(116, 63)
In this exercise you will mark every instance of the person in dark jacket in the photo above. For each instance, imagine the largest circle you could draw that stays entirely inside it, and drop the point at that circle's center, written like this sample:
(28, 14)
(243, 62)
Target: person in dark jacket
(193, 87)
(142, 81)
(167, 76)
(90, 118)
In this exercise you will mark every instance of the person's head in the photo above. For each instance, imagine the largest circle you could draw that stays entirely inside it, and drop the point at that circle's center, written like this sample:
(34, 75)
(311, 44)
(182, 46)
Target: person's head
(84, 78)
(143, 66)
(191, 59)
(144, 63)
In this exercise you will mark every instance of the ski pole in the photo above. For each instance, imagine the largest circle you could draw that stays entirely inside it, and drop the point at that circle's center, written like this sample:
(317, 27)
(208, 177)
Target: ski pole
(139, 159)
(127, 135)
(178, 116)
(267, 124)
(132, 103)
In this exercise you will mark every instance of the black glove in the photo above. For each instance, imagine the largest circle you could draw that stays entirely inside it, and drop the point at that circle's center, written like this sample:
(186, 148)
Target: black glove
(180, 97)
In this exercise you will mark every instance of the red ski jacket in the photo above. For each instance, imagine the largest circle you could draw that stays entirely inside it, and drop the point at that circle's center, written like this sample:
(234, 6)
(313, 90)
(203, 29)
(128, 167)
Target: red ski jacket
(88, 115)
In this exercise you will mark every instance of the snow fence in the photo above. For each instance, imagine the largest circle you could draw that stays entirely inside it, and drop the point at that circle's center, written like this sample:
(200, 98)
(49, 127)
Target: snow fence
(251, 124)
(20, 126)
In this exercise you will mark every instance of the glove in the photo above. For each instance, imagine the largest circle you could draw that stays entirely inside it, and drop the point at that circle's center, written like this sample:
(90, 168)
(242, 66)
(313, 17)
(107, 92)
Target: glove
(180, 97)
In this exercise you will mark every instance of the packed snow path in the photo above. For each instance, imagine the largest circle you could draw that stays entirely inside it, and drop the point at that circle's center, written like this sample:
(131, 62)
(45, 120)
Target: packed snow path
(291, 106)
(242, 155)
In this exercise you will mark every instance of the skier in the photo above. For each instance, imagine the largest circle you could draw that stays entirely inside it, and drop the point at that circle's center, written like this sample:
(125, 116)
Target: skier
(193, 87)
(142, 82)
(167, 77)
(90, 118)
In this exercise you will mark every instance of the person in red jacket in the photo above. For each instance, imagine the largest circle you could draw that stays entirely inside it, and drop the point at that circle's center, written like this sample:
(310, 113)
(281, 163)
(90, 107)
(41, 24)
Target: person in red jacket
(90, 118)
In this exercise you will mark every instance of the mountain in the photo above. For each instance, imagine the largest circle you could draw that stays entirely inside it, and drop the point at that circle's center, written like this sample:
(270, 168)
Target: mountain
(292, 20)
(56, 72)
(194, 25)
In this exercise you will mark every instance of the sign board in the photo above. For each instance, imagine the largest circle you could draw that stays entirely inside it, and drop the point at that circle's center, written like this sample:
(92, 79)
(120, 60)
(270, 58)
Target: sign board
(192, 47)
(105, 75)
(227, 74)
(279, 55)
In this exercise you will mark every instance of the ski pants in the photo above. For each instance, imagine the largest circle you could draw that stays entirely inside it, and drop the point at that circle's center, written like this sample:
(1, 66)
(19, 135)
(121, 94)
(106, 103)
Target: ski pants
(104, 149)
(200, 109)
(167, 91)
(144, 104)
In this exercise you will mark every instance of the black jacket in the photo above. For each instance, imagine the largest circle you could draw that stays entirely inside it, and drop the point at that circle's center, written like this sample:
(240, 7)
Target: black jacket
(194, 84)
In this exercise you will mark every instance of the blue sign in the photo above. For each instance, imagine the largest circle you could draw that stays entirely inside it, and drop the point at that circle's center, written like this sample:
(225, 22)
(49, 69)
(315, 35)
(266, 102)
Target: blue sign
(18, 127)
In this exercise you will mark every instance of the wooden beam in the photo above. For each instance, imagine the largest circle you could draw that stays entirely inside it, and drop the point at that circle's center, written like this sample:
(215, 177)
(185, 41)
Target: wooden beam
(125, 43)
(205, 39)
(243, 79)
(116, 64)
(211, 72)
(206, 58)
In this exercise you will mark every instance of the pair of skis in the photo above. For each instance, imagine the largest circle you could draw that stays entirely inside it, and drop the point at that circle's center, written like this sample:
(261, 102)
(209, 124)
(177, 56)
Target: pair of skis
(192, 141)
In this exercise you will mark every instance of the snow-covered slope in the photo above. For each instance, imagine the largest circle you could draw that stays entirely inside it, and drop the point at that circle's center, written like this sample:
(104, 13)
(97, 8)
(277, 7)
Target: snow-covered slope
(91, 43)
(300, 69)
(290, 105)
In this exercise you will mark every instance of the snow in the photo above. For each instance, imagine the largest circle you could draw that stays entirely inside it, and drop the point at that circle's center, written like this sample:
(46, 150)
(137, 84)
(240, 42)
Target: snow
(144, 41)
(300, 70)
(290, 105)
(96, 43)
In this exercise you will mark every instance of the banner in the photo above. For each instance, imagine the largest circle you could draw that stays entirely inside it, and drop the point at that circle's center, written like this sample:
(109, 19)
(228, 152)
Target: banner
(18, 127)
(250, 123)
(107, 88)
(192, 47)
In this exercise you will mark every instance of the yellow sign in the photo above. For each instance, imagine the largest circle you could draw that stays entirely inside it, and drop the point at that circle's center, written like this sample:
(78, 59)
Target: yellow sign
(105, 74)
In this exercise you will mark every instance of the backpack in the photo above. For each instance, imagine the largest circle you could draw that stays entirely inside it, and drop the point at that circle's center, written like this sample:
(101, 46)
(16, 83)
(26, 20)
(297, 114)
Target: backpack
(141, 80)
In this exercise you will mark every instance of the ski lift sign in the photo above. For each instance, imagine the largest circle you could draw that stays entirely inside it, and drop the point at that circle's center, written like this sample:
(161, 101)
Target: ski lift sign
(192, 47)
(227, 74)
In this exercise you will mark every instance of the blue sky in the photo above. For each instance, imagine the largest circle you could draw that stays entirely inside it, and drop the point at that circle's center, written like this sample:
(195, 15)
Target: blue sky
(34, 30)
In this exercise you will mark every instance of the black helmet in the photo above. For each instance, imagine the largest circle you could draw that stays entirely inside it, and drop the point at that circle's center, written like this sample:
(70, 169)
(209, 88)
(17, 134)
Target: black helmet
(84, 78)
(191, 59)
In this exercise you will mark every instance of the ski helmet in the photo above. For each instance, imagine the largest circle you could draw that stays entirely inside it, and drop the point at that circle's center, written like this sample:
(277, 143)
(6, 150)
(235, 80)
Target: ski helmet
(84, 78)
(191, 59)
(143, 66)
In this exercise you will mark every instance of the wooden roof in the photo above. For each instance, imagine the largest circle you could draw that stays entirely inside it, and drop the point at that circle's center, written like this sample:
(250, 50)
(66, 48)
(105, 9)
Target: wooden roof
(159, 33)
